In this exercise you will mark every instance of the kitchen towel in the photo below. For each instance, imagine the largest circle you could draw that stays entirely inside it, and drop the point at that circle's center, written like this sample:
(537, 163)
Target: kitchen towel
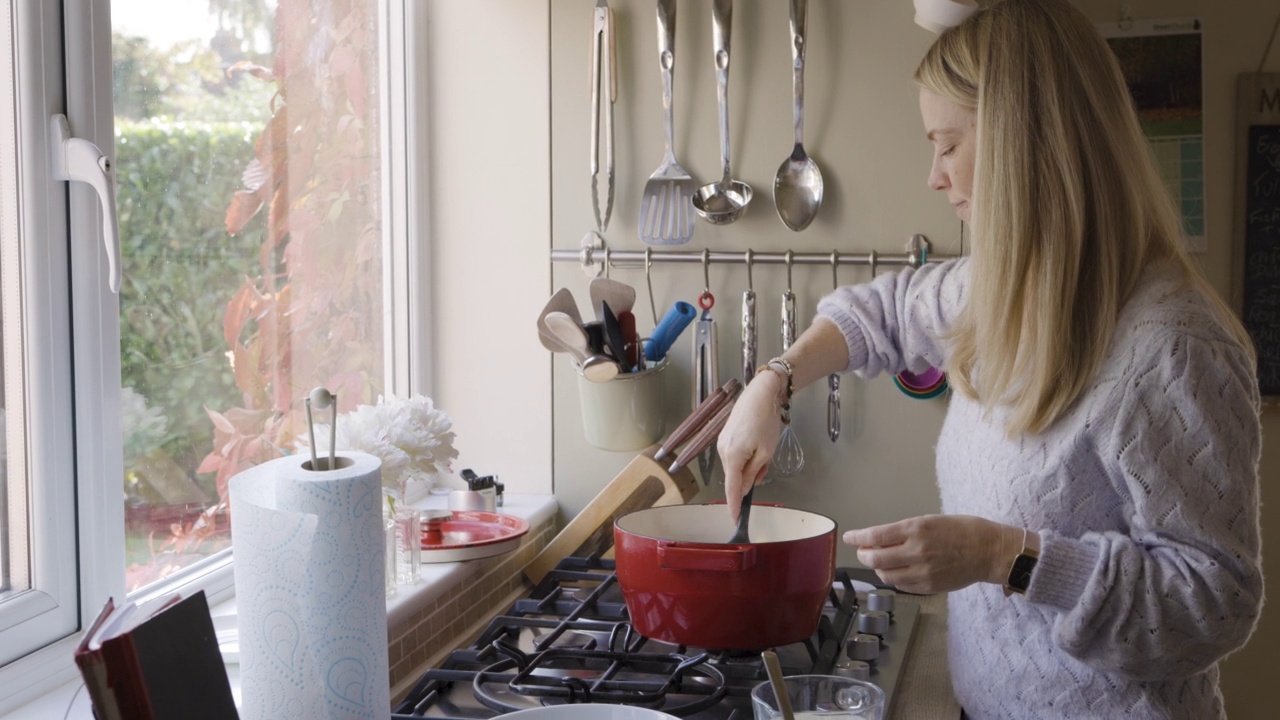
(310, 595)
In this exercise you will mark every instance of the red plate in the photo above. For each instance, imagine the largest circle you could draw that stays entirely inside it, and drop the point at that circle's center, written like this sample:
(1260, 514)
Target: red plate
(471, 534)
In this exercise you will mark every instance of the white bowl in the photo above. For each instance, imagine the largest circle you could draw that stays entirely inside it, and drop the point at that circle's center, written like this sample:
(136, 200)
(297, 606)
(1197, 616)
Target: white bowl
(938, 15)
(590, 711)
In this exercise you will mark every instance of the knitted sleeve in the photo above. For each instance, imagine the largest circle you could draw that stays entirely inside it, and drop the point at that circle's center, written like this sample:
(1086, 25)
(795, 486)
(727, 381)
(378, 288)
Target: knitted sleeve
(893, 322)
(1182, 587)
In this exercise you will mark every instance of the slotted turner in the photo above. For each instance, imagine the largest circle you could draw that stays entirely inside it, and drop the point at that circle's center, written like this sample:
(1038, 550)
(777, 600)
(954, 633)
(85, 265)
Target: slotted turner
(666, 208)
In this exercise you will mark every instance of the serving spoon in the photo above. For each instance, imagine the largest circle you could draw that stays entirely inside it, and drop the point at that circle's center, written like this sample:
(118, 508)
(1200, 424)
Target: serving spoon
(797, 188)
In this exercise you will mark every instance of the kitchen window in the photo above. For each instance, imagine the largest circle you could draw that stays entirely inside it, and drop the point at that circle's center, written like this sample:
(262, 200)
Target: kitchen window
(263, 168)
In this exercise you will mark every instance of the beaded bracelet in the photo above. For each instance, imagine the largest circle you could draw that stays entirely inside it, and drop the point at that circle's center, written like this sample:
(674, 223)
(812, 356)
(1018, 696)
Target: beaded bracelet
(782, 367)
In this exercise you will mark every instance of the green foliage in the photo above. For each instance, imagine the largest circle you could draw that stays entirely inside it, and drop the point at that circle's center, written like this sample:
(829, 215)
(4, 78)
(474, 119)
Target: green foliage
(188, 81)
(181, 268)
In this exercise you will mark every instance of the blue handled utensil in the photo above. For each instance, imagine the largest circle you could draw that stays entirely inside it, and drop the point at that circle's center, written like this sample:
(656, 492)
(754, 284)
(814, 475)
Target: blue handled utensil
(672, 324)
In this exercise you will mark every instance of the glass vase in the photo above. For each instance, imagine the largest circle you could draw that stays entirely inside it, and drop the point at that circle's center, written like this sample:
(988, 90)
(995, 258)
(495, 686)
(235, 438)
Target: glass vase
(389, 566)
(408, 538)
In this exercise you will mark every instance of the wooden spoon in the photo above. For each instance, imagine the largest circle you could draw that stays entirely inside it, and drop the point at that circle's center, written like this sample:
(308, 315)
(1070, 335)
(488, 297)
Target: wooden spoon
(562, 301)
(595, 367)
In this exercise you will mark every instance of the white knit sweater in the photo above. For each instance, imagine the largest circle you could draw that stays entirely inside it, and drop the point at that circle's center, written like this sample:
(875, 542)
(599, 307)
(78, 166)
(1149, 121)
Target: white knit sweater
(1145, 495)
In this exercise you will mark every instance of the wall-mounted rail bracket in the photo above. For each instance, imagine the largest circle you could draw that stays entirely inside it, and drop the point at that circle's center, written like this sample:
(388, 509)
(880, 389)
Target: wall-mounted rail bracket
(918, 248)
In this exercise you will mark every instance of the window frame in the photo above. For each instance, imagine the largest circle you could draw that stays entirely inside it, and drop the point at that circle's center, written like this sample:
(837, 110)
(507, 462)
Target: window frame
(49, 606)
(78, 32)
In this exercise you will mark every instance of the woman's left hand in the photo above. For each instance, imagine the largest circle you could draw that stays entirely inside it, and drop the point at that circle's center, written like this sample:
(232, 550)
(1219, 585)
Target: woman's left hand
(937, 553)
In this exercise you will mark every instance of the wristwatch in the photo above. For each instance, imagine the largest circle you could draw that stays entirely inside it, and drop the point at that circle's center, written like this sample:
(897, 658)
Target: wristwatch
(1020, 571)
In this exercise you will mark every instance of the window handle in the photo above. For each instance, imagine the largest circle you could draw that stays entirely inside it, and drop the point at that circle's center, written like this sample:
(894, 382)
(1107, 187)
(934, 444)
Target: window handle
(80, 160)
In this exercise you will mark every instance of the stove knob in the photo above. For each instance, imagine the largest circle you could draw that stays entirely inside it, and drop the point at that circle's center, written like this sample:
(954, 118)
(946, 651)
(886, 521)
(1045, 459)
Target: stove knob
(875, 622)
(881, 600)
(863, 647)
(857, 670)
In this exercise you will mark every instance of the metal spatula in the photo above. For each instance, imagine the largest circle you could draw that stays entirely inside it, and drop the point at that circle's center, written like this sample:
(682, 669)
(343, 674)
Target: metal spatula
(666, 208)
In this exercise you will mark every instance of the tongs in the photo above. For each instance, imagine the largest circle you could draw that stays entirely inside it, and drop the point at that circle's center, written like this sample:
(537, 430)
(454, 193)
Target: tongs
(603, 65)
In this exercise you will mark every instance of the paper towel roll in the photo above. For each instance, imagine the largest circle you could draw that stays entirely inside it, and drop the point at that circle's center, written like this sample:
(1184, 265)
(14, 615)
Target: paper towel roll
(312, 606)
(938, 15)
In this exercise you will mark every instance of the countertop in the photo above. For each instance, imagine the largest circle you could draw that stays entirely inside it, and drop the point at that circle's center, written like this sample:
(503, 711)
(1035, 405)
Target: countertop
(924, 691)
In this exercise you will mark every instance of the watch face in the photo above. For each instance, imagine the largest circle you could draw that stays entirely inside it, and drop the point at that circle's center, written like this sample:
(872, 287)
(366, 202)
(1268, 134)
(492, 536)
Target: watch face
(1020, 573)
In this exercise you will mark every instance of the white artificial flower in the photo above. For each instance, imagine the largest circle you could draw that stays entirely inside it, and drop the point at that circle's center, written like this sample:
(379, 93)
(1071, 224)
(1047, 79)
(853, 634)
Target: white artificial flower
(411, 437)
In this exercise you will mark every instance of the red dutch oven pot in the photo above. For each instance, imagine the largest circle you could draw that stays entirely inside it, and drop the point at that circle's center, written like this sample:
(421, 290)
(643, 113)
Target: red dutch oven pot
(684, 583)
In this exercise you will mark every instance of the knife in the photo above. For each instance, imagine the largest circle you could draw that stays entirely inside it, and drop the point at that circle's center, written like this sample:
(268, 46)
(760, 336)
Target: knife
(705, 437)
(630, 340)
(706, 409)
(614, 339)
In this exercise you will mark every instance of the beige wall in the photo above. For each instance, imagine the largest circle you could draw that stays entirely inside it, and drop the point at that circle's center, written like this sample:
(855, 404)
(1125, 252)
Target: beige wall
(489, 218)
(509, 125)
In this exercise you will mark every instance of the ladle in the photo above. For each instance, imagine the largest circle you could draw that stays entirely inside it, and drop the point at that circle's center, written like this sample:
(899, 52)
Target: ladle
(774, 669)
(797, 188)
(722, 202)
(740, 536)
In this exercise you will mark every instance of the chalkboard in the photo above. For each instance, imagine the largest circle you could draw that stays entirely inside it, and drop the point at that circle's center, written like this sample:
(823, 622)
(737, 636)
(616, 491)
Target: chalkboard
(1260, 308)
(1256, 251)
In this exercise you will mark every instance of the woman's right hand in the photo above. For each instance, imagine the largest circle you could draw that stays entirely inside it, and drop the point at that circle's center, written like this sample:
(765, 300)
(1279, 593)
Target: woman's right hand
(750, 436)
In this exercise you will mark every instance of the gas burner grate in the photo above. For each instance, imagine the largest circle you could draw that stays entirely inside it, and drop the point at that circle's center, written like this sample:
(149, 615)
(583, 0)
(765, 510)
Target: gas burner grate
(679, 685)
(570, 641)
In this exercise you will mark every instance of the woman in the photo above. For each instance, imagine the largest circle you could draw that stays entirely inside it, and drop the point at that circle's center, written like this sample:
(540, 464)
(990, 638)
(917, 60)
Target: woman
(1098, 462)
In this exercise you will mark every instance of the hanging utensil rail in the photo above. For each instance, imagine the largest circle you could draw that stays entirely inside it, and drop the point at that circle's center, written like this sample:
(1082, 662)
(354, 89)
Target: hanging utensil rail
(597, 259)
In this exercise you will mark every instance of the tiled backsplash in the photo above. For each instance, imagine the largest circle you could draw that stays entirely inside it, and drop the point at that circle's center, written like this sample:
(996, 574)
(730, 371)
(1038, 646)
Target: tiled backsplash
(439, 624)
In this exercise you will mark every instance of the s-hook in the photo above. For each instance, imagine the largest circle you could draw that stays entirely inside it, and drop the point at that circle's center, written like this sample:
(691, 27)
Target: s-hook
(648, 280)
(706, 300)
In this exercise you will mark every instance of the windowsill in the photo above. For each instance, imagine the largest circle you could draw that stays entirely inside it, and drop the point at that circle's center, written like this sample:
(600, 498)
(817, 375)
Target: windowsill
(438, 579)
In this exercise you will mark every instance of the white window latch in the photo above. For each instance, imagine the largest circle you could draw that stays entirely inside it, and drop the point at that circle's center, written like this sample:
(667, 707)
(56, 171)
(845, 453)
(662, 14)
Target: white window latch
(78, 159)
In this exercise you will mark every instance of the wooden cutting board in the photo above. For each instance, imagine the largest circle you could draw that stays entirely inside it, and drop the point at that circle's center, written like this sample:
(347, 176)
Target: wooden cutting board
(642, 483)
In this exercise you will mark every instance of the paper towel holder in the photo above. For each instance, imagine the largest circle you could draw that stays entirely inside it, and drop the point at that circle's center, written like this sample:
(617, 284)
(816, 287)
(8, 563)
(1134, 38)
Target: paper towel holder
(322, 398)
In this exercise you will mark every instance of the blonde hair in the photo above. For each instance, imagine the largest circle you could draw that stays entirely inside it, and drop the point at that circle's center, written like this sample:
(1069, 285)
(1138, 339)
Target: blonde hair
(1068, 206)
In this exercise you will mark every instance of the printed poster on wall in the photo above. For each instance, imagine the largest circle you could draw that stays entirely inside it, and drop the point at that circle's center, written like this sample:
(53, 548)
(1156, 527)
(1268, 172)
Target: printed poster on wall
(1162, 64)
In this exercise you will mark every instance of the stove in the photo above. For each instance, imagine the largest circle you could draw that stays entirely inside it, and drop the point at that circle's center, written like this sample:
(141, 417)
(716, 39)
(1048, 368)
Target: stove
(570, 641)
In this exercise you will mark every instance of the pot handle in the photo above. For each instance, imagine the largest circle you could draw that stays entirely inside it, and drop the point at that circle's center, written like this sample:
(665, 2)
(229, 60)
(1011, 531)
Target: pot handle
(672, 556)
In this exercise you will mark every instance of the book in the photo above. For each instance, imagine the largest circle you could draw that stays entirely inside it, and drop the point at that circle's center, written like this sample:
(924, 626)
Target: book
(155, 661)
